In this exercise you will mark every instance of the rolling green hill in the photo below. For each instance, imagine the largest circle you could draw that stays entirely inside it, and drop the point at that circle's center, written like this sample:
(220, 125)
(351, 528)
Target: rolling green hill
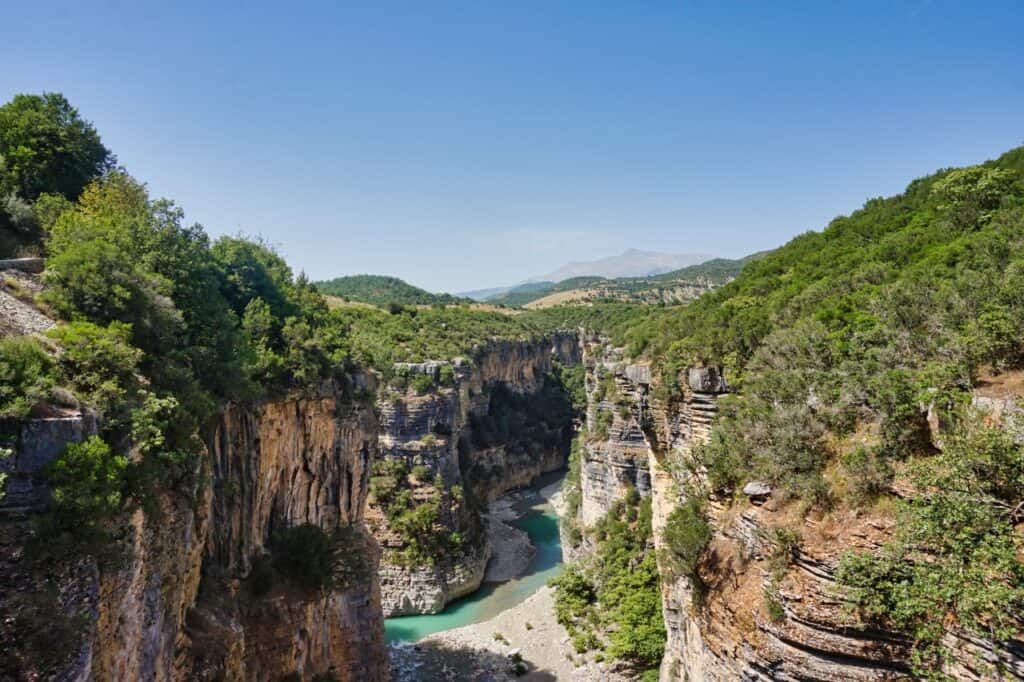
(381, 290)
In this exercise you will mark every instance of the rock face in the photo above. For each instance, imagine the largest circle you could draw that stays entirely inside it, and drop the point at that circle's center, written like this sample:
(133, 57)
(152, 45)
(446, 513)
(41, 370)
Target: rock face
(433, 431)
(615, 453)
(730, 633)
(73, 620)
(278, 465)
(181, 607)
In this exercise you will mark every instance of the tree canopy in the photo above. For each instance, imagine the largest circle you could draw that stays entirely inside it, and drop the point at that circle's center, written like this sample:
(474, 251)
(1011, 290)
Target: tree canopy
(48, 147)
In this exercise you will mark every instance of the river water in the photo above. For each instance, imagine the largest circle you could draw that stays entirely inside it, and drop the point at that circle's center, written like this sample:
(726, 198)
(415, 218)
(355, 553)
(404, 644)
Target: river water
(539, 521)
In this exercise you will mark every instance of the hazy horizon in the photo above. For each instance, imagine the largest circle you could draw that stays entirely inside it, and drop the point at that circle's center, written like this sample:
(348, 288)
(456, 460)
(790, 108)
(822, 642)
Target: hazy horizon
(466, 147)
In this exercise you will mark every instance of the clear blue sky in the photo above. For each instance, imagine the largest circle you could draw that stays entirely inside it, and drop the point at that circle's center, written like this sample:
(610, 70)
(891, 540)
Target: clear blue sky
(472, 144)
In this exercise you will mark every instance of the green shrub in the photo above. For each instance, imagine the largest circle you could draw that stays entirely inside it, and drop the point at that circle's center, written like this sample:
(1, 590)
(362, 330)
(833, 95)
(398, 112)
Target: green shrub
(685, 537)
(88, 484)
(602, 425)
(422, 383)
(869, 475)
(776, 611)
(100, 365)
(25, 376)
(315, 560)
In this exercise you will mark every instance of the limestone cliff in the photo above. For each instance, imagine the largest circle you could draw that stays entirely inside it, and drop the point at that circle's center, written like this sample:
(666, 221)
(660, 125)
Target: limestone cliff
(180, 605)
(430, 422)
(67, 616)
(277, 465)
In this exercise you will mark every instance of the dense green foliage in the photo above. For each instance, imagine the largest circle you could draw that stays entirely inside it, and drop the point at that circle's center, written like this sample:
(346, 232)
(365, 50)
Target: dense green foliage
(380, 290)
(89, 484)
(612, 600)
(48, 154)
(378, 339)
(47, 147)
(957, 554)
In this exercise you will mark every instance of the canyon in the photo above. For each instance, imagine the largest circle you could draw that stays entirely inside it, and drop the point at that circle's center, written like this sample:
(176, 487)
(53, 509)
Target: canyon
(184, 602)
(183, 606)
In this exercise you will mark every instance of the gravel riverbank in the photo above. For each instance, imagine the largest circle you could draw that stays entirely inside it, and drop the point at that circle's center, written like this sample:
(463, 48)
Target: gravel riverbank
(523, 642)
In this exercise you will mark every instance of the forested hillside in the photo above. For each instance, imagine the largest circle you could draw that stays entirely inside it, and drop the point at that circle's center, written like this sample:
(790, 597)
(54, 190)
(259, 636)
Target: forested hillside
(380, 290)
(852, 354)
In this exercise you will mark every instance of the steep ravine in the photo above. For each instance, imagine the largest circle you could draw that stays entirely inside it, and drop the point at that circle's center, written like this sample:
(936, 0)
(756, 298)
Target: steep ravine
(436, 432)
(189, 602)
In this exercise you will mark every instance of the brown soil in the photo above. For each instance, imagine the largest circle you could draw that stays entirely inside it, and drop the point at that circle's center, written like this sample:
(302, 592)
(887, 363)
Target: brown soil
(1000, 386)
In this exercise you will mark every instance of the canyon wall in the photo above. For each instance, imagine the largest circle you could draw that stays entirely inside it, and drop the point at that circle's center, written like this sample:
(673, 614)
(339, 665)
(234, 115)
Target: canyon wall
(431, 431)
(278, 465)
(64, 617)
(724, 628)
(178, 603)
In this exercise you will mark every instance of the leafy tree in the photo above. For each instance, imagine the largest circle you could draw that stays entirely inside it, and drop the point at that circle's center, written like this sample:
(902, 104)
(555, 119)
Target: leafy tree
(48, 147)
(972, 193)
(686, 536)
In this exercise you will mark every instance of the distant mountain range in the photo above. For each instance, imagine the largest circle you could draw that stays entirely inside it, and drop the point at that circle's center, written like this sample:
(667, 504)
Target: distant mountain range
(629, 263)
(653, 278)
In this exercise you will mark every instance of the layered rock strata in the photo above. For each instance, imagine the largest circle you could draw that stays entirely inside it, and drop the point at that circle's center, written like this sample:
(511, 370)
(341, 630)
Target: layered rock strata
(730, 633)
(433, 431)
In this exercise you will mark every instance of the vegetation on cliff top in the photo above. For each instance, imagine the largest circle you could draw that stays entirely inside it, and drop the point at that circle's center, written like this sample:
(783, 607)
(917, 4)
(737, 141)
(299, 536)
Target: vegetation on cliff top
(864, 330)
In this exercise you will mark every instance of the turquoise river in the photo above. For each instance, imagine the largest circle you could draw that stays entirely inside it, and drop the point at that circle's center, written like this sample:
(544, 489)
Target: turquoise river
(539, 521)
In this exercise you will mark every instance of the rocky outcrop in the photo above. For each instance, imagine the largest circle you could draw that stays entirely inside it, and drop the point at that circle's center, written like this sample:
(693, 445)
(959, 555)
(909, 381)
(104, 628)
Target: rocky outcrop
(615, 455)
(432, 430)
(750, 619)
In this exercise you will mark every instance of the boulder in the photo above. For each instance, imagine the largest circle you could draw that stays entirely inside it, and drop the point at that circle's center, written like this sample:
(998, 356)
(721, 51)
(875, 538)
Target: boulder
(757, 491)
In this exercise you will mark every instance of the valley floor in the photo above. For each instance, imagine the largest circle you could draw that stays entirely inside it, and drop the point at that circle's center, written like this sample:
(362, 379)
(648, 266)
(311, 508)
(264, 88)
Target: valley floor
(474, 654)
(487, 651)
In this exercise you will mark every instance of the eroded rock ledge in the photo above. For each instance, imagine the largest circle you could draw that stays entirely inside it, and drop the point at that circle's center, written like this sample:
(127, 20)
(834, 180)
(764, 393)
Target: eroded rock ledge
(730, 635)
